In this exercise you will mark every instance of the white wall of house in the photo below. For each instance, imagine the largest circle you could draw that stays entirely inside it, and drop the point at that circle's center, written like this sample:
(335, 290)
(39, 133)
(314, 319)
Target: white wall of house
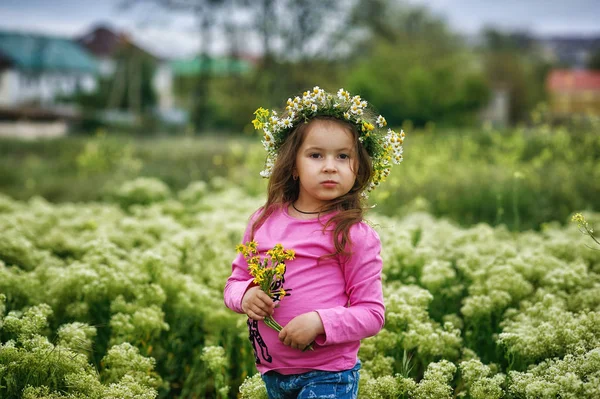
(163, 84)
(29, 130)
(9, 87)
(106, 66)
(18, 87)
(496, 112)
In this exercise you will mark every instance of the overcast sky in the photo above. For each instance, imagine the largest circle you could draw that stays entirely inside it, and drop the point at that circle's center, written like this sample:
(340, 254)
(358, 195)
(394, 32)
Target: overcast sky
(167, 35)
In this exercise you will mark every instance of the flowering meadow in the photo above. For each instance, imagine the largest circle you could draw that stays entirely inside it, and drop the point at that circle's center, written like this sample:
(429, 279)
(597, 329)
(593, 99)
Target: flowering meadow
(123, 299)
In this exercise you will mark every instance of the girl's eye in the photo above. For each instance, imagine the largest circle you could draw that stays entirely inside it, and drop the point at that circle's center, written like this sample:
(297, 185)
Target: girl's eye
(344, 156)
(315, 155)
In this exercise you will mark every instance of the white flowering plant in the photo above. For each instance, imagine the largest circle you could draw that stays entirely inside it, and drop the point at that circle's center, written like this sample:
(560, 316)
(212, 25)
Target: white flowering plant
(384, 145)
(100, 301)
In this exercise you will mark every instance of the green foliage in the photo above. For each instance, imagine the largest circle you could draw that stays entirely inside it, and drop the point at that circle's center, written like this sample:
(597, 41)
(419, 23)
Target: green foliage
(521, 178)
(575, 376)
(142, 191)
(124, 360)
(431, 86)
(594, 61)
(545, 329)
(136, 294)
(513, 63)
(216, 362)
(104, 154)
(436, 381)
(33, 367)
(253, 388)
(480, 381)
(130, 87)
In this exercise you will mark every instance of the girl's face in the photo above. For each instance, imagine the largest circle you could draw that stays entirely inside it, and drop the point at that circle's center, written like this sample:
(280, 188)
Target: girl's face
(326, 164)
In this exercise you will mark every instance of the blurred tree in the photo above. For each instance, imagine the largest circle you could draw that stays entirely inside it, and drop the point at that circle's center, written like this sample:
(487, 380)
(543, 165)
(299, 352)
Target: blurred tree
(512, 62)
(129, 88)
(131, 85)
(594, 61)
(206, 13)
(412, 67)
(294, 35)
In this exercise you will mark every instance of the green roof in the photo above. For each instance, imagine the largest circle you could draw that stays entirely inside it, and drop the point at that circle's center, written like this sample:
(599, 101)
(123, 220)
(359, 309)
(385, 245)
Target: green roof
(217, 66)
(35, 52)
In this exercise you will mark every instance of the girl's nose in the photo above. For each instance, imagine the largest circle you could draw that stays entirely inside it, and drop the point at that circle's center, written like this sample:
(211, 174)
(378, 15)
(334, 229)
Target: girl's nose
(329, 165)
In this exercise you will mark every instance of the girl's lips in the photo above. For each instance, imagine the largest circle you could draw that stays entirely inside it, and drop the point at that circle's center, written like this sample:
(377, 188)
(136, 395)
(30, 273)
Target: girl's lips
(329, 183)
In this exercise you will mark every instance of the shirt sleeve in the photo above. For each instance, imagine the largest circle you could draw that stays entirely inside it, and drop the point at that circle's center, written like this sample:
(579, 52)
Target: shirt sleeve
(240, 279)
(365, 314)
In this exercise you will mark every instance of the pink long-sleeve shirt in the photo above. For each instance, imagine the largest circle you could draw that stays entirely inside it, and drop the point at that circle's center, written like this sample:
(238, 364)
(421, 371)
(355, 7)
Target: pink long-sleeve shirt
(345, 292)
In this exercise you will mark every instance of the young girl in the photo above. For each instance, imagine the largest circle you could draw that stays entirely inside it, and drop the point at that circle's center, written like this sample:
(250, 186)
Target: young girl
(325, 154)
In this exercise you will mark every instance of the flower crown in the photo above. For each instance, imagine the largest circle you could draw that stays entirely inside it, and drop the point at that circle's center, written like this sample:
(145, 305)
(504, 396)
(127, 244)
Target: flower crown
(384, 146)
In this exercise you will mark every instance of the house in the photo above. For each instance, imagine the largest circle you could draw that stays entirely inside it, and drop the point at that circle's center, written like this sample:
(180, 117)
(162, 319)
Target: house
(223, 66)
(103, 43)
(35, 69)
(569, 51)
(573, 92)
(117, 53)
(119, 57)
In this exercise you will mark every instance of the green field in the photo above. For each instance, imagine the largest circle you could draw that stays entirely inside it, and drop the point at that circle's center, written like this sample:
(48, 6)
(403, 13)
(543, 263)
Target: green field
(521, 178)
(115, 251)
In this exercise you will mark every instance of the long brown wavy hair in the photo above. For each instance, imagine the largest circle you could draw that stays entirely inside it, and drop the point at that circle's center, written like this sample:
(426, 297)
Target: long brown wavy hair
(283, 189)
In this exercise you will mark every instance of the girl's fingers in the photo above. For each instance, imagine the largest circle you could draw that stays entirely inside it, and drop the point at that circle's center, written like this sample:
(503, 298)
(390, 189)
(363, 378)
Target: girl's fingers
(256, 310)
(264, 306)
(282, 335)
(262, 309)
(259, 306)
(252, 315)
(264, 298)
(255, 316)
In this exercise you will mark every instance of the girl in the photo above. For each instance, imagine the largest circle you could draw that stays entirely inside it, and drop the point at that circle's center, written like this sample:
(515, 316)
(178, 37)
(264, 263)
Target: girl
(324, 155)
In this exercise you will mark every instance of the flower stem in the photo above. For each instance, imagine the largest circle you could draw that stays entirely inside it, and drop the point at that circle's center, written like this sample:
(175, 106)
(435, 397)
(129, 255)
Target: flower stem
(269, 321)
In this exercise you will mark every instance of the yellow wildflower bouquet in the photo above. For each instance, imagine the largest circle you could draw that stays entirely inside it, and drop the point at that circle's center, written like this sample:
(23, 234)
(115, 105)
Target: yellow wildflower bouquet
(268, 273)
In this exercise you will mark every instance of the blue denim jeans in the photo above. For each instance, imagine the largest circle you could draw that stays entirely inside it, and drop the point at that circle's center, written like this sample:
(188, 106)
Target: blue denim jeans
(314, 384)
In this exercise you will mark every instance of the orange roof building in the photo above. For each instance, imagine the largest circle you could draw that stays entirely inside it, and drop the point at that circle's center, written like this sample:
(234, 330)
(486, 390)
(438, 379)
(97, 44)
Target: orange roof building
(574, 92)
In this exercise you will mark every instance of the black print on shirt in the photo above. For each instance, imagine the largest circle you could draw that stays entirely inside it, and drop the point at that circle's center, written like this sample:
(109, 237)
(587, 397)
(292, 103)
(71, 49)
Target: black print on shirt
(256, 338)
(254, 334)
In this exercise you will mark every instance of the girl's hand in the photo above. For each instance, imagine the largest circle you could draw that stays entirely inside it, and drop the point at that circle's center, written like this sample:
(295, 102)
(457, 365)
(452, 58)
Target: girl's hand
(302, 330)
(257, 304)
